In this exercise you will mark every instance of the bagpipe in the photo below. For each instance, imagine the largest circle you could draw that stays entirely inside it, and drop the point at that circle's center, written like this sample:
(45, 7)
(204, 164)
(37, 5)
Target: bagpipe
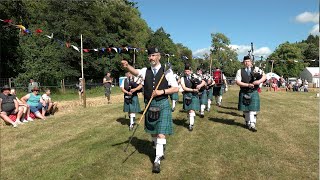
(195, 80)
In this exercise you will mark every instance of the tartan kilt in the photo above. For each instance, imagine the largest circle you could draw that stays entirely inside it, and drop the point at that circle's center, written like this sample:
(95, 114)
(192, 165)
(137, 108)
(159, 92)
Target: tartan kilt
(255, 102)
(210, 93)
(204, 98)
(174, 96)
(133, 107)
(218, 91)
(164, 124)
(195, 104)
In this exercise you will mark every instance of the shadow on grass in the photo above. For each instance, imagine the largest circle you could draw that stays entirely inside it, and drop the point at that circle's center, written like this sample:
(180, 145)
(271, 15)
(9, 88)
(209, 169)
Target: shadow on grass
(123, 121)
(140, 145)
(228, 122)
(180, 122)
(230, 113)
(232, 108)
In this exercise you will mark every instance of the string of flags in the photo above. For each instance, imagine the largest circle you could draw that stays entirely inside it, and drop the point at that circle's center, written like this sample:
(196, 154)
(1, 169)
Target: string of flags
(118, 50)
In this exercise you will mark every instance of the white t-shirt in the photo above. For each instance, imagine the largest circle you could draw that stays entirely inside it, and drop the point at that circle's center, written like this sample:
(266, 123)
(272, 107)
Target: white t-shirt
(168, 75)
(46, 98)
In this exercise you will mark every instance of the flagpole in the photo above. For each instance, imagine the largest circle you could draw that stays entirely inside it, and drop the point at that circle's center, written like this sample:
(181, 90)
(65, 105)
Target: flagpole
(134, 57)
(82, 75)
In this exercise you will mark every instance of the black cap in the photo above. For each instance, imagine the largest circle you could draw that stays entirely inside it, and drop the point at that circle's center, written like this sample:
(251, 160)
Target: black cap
(246, 58)
(153, 50)
(5, 87)
(187, 67)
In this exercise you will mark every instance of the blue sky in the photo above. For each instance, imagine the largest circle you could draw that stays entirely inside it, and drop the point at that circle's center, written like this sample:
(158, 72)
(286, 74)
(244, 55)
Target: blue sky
(266, 23)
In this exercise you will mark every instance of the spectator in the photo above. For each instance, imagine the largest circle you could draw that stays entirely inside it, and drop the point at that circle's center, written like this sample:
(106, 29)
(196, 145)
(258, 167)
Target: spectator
(35, 101)
(32, 84)
(107, 80)
(25, 108)
(80, 88)
(9, 106)
(305, 85)
(51, 106)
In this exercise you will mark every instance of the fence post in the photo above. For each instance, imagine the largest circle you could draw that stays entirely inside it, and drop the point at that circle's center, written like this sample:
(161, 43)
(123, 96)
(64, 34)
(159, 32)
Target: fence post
(10, 83)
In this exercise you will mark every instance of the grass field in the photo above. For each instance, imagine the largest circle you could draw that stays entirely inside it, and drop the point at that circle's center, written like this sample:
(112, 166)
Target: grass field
(88, 143)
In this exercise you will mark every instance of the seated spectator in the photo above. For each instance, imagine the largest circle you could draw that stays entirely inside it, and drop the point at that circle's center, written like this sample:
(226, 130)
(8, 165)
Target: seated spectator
(35, 101)
(9, 106)
(25, 108)
(305, 85)
(51, 107)
(80, 90)
(289, 87)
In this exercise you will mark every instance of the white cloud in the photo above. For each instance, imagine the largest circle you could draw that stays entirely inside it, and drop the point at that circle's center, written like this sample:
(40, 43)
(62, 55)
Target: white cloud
(308, 17)
(242, 50)
(201, 52)
(315, 30)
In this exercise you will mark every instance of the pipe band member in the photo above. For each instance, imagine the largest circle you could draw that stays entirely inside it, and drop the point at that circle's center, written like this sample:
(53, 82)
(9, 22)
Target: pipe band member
(131, 103)
(158, 119)
(249, 79)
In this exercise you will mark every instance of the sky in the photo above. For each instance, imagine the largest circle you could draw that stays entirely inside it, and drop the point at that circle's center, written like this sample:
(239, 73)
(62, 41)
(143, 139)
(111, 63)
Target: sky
(265, 23)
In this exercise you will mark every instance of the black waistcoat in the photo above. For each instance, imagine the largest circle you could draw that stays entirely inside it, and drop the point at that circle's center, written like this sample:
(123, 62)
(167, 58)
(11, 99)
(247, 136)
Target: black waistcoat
(151, 81)
(128, 86)
(187, 82)
(247, 79)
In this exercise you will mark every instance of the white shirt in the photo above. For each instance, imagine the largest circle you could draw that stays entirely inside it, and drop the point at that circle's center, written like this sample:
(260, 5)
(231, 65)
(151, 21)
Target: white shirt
(46, 98)
(168, 75)
(238, 75)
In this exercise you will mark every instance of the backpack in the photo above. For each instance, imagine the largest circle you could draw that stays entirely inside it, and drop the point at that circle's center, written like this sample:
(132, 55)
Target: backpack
(218, 77)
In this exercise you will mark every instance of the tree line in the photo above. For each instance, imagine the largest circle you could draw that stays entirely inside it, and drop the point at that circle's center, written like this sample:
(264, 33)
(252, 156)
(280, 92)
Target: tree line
(106, 23)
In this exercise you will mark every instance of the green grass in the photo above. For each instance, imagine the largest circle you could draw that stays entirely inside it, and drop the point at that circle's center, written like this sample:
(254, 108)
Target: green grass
(72, 94)
(88, 144)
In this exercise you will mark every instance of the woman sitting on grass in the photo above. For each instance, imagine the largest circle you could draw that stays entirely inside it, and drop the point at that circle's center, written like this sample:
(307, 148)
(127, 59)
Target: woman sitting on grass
(36, 103)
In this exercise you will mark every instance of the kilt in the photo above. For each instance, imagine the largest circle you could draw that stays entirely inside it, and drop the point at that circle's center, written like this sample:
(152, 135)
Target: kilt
(133, 107)
(174, 96)
(164, 124)
(210, 93)
(195, 104)
(204, 98)
(218, 91)
(255, 102)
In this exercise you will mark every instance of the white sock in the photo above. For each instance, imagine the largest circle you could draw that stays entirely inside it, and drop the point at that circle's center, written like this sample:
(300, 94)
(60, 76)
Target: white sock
(132, 115)
(173, 103)
(252, 118)
(202, 107)
(159, 149)
(219, 99)
(17, 119)
(209, 103)
(191, 116)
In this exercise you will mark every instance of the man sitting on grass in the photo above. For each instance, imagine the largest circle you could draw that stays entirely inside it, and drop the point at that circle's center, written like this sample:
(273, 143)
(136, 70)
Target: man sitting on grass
(9, 105)
(51, 106)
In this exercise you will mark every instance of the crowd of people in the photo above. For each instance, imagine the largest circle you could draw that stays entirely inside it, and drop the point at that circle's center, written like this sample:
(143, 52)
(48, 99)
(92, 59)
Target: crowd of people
(300, 85)
(33, 105)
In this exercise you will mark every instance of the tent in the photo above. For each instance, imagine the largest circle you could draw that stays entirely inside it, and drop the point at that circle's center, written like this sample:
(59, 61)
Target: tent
(272, 75)
(312, 75)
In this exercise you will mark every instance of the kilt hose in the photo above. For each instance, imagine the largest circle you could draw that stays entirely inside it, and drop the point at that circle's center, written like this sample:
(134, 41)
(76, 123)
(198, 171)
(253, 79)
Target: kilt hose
(133, 107)
(164, 124)
(254, 104)
(210, 93)
(194, 105)
(174, 96)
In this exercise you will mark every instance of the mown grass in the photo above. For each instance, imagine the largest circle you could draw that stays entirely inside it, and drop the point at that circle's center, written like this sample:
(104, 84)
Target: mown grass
(72, 94)
(88, 144)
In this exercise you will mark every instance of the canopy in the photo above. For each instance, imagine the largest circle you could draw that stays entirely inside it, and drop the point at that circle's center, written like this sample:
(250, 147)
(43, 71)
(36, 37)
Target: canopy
(272, 75)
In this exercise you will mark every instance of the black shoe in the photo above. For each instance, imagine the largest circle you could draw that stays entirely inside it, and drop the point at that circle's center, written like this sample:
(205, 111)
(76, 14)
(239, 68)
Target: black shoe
(153, 144)
(156, 168)
(173, 109)
(162, 158)
(191, 128)
(131, 127)
(201, 115)
(253, 129)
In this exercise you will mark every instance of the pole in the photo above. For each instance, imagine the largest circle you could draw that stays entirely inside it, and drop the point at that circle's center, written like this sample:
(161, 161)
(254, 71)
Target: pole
(272, 66)
(210, 62)
(82, 75)
(134, 57)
